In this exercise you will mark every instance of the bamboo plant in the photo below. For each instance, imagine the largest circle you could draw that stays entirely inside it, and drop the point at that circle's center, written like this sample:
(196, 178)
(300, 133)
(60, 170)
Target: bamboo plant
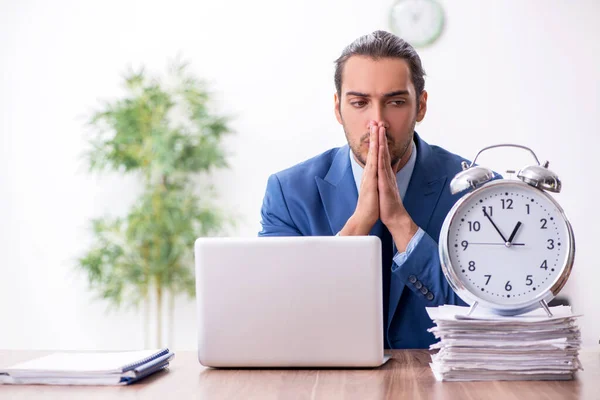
(165, 133)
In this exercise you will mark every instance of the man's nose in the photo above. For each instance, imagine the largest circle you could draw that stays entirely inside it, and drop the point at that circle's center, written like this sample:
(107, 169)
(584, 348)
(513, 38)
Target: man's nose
(378, 116)
(377, 121)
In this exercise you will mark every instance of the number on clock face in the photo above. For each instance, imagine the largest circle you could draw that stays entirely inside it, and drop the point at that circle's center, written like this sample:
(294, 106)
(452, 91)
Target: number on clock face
(508, 243)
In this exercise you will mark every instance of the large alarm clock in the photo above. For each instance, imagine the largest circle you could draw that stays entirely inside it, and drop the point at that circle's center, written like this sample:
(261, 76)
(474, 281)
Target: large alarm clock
(507, 245)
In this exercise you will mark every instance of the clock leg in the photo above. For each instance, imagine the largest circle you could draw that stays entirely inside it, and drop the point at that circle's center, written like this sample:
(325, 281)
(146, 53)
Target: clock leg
(545, 307)
(473, 307)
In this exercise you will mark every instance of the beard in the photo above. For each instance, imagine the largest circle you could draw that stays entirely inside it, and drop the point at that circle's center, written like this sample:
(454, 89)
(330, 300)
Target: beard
(397, 149)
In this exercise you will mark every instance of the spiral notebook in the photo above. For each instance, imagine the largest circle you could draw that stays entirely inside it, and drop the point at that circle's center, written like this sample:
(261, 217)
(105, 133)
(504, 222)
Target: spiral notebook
(117, 368)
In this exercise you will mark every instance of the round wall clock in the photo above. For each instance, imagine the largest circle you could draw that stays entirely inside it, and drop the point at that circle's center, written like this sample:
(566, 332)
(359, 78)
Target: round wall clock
(419, 22)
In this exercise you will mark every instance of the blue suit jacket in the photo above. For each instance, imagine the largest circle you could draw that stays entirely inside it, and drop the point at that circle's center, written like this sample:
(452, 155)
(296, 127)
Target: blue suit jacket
(316, 198)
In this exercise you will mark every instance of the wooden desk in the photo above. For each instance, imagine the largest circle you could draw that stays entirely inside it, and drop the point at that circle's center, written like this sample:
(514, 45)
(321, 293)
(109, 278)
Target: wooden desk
(407, 375)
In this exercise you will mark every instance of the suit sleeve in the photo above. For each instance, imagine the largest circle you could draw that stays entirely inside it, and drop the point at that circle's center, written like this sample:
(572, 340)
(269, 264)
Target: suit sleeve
(275, 215)
(421, 272)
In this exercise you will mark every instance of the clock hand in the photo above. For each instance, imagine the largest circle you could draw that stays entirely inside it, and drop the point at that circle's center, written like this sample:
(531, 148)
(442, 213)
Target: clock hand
(498, 244)
(514, 232)
(497, 230)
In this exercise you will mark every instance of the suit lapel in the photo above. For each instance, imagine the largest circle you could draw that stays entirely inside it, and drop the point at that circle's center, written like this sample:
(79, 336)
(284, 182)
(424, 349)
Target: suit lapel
(423, 192)
(338, 191)
(339, 195)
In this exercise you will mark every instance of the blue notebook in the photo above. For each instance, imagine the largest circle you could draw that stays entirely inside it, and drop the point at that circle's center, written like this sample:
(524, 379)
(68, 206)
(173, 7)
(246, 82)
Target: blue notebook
(116, 368)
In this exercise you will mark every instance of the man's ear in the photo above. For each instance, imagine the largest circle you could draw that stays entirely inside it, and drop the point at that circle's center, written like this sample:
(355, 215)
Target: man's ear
(422, 106)
(336, 102)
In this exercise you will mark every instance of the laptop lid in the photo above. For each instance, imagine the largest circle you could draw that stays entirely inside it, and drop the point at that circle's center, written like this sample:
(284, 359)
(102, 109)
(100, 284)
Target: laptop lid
(289, 301)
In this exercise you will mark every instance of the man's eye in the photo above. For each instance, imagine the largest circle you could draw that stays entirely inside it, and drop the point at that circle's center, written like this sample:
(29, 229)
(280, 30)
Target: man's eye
(359, 103)
(397, 102)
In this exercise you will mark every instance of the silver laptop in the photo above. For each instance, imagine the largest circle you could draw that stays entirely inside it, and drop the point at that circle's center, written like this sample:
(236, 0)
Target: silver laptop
(289, 301)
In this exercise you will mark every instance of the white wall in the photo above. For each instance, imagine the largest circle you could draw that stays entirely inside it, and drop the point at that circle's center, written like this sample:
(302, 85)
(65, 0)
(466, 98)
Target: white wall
(503, 71)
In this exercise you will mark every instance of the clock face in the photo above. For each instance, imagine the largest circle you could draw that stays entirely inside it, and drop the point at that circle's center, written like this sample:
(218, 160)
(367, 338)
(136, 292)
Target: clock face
(508, 243)
(419, 22)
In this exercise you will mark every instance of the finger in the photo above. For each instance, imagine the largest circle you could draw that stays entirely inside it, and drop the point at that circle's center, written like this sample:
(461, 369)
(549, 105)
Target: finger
(383, 181)
(384, 164)
(383, 143)
(381, 155)
(371, 167)
(388, 182)
(391, 169)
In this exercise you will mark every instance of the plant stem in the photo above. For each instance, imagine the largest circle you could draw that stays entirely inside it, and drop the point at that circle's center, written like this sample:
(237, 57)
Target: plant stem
(146, 320)
(171, 317)
(158, 313)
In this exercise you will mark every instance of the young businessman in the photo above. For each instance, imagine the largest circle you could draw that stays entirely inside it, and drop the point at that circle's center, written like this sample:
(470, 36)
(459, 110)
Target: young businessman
(386, 181)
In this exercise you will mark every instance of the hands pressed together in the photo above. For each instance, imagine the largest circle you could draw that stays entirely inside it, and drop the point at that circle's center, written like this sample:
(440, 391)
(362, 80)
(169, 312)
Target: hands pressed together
(378, 197)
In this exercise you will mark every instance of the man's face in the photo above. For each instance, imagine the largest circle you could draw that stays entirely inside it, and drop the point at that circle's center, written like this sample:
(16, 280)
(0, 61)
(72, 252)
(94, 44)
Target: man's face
(380, 91)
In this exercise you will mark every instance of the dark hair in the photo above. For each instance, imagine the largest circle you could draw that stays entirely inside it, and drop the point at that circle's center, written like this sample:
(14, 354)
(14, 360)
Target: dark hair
(382, 44)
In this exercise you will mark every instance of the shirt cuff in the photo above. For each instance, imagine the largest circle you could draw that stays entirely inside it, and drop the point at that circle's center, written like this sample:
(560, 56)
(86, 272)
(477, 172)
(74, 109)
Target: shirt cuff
(400, 258)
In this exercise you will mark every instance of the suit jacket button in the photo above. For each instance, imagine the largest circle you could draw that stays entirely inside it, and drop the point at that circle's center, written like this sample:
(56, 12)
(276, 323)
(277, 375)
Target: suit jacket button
(418, 284)
(429, 296)
(412, 279)
(424, 290)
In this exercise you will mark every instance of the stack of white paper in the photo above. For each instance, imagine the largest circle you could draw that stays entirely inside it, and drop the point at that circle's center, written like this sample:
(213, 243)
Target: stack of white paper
(485, 346)
(121, 368)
